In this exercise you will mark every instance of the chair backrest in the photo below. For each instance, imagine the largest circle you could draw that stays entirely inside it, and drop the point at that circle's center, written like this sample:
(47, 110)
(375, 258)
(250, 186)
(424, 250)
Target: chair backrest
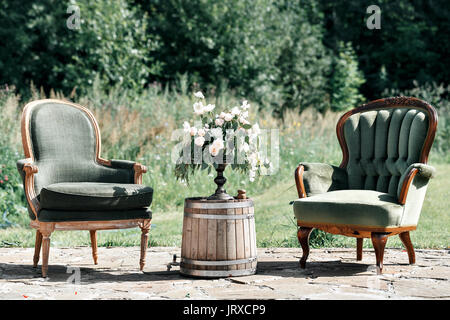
(63, 140)
(379, 140)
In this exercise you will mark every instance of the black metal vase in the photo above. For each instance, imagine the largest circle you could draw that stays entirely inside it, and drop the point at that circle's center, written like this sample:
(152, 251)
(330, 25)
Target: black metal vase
(220, 180)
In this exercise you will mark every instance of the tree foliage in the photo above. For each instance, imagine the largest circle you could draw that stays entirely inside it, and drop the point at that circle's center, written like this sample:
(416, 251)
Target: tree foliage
(285, 54)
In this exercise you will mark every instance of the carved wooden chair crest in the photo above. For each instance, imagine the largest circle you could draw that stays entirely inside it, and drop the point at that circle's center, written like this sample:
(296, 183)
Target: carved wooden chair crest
(379, 188)
(68, 186)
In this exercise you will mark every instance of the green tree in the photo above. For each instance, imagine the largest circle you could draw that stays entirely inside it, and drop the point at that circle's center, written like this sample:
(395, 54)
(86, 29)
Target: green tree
(111, 43)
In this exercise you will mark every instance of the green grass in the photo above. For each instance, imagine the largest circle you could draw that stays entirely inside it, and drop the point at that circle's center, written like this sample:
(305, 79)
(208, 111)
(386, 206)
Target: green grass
(275, 223)
(146, 125)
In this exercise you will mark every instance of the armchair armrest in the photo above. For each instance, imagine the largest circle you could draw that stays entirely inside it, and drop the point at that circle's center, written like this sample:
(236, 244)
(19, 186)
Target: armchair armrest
(413, 172)
(316, 178)
(27, 170)
(137, 168)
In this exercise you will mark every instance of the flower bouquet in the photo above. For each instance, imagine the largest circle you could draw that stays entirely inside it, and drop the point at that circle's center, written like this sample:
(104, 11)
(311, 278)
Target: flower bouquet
(217, 140)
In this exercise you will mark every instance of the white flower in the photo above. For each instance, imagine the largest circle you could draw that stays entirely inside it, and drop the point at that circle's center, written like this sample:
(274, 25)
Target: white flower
(199, 141)
(253, 159)
(235, 111)
(244, 114)
(245, 105)
(193, 131)
(186, 127)
(219, 143)
(209, 107)
(215, 147)
(198, 108)
(222, 115)
(201, 132)
(219, 122)
(206, 125)
(213, 150)
(216, 132)
(228, 117)
(243, 120)
(199, 94)
(255, 129)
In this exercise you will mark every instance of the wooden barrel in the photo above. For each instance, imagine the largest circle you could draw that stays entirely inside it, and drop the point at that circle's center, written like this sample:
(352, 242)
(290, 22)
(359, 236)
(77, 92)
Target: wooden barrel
(219, 238)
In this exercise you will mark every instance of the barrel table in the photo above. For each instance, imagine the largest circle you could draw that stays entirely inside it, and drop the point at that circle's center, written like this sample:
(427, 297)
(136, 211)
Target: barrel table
(219, 238)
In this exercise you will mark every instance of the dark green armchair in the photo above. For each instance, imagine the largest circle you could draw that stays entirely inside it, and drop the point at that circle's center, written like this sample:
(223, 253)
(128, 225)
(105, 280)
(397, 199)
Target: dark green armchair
(68, 186)
(379, 188)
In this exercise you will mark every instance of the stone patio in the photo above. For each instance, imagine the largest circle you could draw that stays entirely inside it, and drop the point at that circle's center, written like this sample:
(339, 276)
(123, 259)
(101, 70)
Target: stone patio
(330, 274)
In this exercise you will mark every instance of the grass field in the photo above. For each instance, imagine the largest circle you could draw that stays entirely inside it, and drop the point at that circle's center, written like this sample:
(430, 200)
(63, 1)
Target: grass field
(275, 223)
(146, 124)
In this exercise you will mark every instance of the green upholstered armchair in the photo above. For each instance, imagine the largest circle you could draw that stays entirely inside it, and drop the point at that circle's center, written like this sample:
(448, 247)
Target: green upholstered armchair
(379, 188)
(68, 186)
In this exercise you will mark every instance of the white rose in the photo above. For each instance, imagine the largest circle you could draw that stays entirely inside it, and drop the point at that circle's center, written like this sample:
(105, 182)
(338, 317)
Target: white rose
(209, 107)
(218, 143)
(243, 120)
(235, 111)
(222, 115)
(213, 150)
(245, 114)
(219, 122)
(198, 108)
(228, 117)
(193, 131)
(201, 132)
(245, 105)
(199, 141)
(199, 94)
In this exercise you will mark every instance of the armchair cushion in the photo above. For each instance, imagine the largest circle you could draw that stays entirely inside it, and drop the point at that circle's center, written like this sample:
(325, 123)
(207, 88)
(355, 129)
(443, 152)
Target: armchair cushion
(46, 215)
(95, 196)
(320, 177)
(366, 208)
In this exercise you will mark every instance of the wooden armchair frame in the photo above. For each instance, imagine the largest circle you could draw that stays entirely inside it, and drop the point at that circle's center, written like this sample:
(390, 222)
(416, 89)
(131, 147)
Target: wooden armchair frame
(378, 235)
(44, 229)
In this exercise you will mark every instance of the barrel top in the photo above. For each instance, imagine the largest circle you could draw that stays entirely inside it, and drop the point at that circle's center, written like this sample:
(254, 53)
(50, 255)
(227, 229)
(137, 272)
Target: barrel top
(203, 202)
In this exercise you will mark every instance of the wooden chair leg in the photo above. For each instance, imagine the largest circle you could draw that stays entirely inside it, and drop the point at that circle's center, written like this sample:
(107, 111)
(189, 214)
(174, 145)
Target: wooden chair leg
(404, 236)
(359, 248)
(303, 237)
(94, 244)
(379, 242)
(37, 248)
(45, 229)
(145, 227)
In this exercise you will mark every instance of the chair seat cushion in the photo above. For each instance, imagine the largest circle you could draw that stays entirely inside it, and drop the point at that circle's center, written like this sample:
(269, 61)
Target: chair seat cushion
(350, 207)
(98, 196)
(46, 215)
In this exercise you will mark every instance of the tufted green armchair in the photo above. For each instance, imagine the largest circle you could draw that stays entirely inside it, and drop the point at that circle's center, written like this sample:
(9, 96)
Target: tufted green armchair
(68, 186)
(379, 188)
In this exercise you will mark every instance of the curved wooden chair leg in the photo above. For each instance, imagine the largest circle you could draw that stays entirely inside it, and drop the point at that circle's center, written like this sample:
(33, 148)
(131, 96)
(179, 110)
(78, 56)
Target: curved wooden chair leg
(379, 242)
(359, 248)
(404, 236)
(303, 237)
(145, 227)
(94, 245)
(37, 248)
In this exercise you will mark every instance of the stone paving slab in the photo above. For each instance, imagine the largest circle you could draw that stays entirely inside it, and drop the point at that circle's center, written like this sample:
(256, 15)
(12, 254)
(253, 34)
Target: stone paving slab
(330, 274)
